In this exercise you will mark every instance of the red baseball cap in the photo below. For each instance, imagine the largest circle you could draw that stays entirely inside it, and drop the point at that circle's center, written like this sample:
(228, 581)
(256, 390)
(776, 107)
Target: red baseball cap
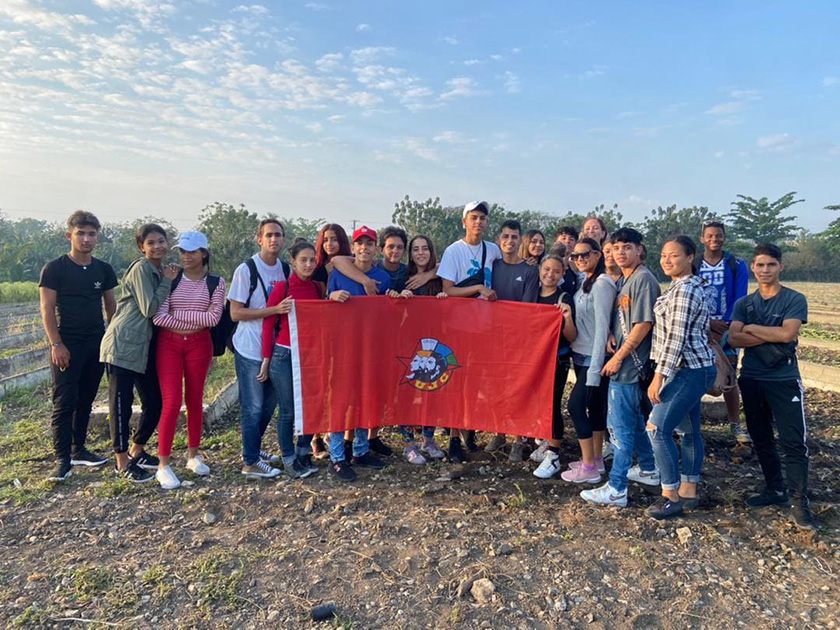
(364, 231)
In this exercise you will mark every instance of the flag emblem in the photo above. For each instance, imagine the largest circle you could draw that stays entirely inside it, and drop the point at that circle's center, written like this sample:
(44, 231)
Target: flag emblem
(430, 367)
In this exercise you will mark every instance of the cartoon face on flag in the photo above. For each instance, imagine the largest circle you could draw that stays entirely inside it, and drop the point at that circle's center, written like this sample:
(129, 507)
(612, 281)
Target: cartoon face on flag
(430, 367)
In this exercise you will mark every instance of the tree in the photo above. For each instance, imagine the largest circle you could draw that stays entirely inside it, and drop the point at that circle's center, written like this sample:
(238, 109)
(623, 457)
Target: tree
(761, 221)
(832, 232)
(231, 232)
(663, 223)
(430, 218)
(307, 228)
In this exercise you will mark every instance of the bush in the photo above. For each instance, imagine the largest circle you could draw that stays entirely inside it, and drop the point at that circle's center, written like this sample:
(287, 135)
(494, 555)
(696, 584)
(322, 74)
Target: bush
(11, 292)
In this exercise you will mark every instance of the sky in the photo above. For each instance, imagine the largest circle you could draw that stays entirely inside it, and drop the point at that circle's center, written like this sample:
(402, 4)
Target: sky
(337, 109)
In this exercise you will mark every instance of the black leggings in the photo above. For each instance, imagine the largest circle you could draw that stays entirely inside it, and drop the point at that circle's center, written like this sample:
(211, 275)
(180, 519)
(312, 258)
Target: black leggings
(121, 386)
(596, 418)
(561, 374)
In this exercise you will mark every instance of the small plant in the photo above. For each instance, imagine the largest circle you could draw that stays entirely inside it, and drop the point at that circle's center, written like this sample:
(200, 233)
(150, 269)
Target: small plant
(88, 582)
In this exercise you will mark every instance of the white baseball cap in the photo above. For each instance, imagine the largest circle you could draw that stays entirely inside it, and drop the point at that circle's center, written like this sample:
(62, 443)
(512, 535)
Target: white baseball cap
(481, 206)
(191, 241)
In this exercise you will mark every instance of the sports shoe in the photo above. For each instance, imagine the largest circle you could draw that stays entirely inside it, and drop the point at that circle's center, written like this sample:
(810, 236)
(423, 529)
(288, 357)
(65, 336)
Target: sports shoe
(380, 448)
(768, 497)
(690, 503)
(456, 453)
(599, 464)
(517, 452)
(647, 477)
(144, 460)
(581, 474)
(802, 518)
(260, 470)
(296, 470)
(84, 457)
(134, 473)
(664, 508)
(319, 448)
(495, 444)
(539, 453)
(167, 479)
(196, 464)
(607, 451)
(470, 442)
(343, 470)
(549, 466)
(605, 495)
(306, 462)
(432, 450)
(412, 454)
(61, 471)
(368, 461)
(269, 458)
(741, 435)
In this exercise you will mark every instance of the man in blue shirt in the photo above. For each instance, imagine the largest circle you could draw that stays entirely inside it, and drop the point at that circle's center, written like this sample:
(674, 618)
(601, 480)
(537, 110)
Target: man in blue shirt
(726, 279)
(340, 289)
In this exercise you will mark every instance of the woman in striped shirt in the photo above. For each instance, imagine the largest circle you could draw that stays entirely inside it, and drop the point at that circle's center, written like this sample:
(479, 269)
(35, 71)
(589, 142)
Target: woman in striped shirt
(685, 369)
(185, 351)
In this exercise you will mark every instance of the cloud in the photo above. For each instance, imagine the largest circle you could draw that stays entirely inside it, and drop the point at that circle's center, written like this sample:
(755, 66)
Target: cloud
(335, 118)
(370, 54)
(473, 62)
(253, 9)
(315, 127)
(460, 87)
(360, 28)
(417, 147)
(628, 114)
(829, 81)
(317, 6)
(329, 62)
(597, 71)
(776, 143)
(451, 40)
(719, 154)
(512, 85)
(746, 95)
(496, 57)
(22, 12)
(723, 109)
(453, 137)
(641, 201)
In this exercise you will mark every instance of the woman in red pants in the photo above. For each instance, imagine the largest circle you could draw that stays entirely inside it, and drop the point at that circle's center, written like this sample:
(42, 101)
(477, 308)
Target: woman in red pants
(184, 352)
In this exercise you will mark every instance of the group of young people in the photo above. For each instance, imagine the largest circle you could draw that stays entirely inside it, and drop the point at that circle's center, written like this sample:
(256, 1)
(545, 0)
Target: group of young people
(642, 358)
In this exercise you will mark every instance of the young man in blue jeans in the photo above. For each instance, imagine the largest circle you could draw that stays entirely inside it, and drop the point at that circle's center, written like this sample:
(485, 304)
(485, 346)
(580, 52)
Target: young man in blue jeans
(631, 338)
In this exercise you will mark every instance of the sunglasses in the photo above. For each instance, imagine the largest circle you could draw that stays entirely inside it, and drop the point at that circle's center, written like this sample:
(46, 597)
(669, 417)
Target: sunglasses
(580, 255)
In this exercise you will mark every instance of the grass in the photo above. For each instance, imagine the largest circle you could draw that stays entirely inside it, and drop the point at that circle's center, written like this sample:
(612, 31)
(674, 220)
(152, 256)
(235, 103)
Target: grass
(217, 577)
(15, 292)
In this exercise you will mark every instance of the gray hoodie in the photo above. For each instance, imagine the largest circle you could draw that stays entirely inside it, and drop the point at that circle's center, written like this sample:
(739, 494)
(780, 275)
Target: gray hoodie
(592, 319)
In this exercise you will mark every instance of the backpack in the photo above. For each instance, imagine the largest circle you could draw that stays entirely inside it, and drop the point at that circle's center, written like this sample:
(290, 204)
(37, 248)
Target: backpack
(725, 377)
(227, 325)
(216, 332)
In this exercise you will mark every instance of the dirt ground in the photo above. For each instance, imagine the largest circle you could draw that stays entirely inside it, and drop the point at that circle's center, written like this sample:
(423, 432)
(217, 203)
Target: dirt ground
(408, 547)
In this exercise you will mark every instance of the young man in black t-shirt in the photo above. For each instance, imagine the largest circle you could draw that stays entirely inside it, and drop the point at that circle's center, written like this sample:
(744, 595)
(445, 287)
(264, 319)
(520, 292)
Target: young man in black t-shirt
(73, 290)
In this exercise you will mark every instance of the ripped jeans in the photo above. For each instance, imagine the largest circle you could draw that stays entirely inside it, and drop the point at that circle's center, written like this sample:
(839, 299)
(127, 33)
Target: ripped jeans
(680, 411)
(626, 424)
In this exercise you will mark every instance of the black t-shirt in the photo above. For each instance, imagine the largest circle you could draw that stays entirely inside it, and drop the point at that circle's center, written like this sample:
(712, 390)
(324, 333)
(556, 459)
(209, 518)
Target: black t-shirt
(398, 276)
(321, 275)
(570, 283)
(565, 347)
(80, 289)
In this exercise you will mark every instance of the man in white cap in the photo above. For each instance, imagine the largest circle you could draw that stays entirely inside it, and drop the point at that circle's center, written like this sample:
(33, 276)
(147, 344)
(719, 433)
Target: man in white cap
(466, 270)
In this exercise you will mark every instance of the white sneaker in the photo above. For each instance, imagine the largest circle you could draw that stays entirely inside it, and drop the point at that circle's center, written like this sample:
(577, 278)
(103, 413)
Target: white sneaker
(607, 451)
(549, 466)
(166, 478)
(605, 495)
(647, 477)
(260, 469)
(539, 454)
(197, 465)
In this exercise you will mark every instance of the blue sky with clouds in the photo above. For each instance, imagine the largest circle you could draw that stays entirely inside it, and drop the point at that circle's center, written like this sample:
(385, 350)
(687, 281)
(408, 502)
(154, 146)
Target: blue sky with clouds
(339, 109)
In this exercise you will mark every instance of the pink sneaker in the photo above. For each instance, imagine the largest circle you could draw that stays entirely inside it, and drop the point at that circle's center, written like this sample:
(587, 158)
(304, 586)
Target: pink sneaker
(581, 474)
(599, 464)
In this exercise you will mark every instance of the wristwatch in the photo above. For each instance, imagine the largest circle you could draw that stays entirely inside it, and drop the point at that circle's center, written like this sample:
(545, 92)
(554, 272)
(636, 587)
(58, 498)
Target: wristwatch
(55, 344)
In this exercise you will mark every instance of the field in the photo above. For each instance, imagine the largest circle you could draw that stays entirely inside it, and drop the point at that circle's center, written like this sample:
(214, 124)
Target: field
(402, 548)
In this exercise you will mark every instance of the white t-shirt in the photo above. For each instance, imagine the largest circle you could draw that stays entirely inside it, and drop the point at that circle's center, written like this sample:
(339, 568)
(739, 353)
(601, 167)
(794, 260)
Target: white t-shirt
(461, 261)
(248, 336)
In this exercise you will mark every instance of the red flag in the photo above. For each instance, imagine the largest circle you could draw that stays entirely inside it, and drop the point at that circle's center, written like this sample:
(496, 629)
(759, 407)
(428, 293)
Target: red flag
(460, 363)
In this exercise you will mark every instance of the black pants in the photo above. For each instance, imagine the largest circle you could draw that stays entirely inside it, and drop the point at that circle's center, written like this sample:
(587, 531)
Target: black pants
(74, 390)
(592, 416)
(782, 402)
(121, 386)
(561, 375)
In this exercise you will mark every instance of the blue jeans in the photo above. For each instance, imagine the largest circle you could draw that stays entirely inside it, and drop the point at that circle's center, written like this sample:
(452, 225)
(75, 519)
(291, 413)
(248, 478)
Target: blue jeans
(626, 423)
(360, 445)
(680, 411)
(280, 371)
(257, 402)
(407, 431)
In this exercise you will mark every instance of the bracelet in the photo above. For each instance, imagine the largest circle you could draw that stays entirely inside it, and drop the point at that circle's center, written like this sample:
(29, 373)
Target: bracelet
(55, 344)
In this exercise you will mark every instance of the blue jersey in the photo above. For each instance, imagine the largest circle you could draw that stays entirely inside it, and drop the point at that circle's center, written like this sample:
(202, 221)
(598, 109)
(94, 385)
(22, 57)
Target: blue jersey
(340, 282)
(723, 288)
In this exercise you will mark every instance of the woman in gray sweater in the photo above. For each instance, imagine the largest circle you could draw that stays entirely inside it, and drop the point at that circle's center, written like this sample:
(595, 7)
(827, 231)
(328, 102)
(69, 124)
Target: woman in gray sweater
(594, 303)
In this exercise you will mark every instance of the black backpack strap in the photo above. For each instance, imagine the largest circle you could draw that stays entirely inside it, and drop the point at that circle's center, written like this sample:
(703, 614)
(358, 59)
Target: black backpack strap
(212, 284)
(750, 304)
(286, 269)
(176, 281)
(483, 254)
(732, 263)
(255, 278)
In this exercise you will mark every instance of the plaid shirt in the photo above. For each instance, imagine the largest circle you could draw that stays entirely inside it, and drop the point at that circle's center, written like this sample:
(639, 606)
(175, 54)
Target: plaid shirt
(681, 328)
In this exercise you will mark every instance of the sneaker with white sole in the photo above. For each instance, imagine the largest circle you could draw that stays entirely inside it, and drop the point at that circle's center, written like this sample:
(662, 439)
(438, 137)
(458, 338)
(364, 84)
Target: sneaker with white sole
(167, 479)
(432, 450)
(517, 452)
(742, 436)
(539, 453)
(261, 470)
(495, 444)
(647, 477)
(549, 466)
(607, 451)
(599, 464)
(269, 458)
(581, 474)
(196, 464)
(412, 454)
(605, 495)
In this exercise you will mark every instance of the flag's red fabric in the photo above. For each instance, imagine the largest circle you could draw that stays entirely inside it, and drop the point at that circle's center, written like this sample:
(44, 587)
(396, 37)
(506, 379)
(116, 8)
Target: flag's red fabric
(461, 363)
